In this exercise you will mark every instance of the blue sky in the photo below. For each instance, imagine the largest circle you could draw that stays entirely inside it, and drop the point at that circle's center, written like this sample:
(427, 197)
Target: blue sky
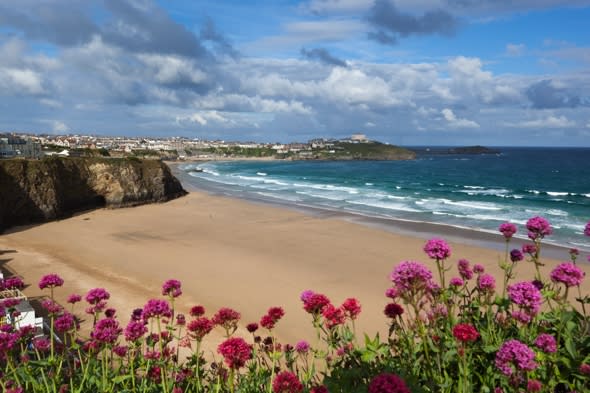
(409, 72)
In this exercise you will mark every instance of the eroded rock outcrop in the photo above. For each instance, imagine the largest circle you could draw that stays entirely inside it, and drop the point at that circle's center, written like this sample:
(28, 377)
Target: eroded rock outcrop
(36, 191)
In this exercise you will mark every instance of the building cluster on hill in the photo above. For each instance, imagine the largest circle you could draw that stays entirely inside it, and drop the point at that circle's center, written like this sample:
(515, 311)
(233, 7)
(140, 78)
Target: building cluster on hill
(15, 145)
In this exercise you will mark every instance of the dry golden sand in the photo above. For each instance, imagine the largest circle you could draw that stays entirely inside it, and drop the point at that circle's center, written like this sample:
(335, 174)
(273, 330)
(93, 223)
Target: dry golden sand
(226, 252)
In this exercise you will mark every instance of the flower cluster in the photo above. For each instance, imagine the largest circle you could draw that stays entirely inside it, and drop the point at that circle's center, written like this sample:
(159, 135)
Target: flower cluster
(465, 332)
(106, 331)
(464, 269)
(235, 351)
(526, 296)
(171, 288)
(50, 281)
(135, 330)
(587, 229)
(486, 283)
(286, 382)
(334, 316)
(351, 307)
(538, 228)
(437, 249)
(273, 315)
(227, 318)
(568, 274)
(546, 343)
(411, 276)
(313, 302)
(514, 356)
(507, 229)
(516, 255)
(388, 383)
(156, 308)
(200, 327)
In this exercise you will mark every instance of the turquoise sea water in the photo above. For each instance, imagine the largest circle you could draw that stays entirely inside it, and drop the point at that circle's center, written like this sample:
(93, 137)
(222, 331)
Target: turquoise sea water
(478, 192)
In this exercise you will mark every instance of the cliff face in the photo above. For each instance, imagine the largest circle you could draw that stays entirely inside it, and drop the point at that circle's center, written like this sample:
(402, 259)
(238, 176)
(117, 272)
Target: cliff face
(37, 191)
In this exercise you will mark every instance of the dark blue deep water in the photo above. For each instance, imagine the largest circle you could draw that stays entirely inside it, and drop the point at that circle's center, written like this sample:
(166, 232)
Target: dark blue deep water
(471, 191)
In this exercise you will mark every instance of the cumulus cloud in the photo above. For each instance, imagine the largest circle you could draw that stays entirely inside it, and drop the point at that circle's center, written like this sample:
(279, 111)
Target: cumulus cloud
(547, 122)
(391, 23)
(544, 95)
(322, 55)
(454, 122)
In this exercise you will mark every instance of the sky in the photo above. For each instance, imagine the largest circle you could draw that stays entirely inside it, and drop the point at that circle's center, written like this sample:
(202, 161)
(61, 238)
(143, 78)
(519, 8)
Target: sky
(407, 72)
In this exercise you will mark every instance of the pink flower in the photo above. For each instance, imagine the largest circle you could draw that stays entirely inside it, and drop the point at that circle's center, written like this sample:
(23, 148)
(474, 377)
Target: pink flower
(388, 383)
(334, 316)
(456, 282)
(252, 327)
(96, 295)
(315, 303)
(411, 276)
(200, 327)
(507, 229)
(226, 318)
(392, 292)
(74, 298)
(302, 347)
(534, 386)
(546, 343)
(50, 281)
(437, 249)
(465, 332)
(351, 307)
(171, 288)
(156, 308)
(197, 311)
(486, 283)
(477, 268)
(568, 274)
(538, 228)
(267, 322)
(107, 331)
(65, 323)
(120, 350)
(235, 352)
(51, 306)
(12, 283)
(526, 296)
(306, 295)
(319, 389)
(516, 255)
(530, 249)
(587, 229)
(464, 270)
(585, 368)
(286, 382)
(515, 356)
(135, 330)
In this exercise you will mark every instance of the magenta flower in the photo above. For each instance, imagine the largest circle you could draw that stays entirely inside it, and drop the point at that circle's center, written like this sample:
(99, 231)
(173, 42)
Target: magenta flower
(12, 283)
(514, 356)
(351, 307)
(585, 369)
(538, 228)
(51, 306)
(74, 298)
(507, 229)
(526, 296)
(197, 311)
(50, 281)
(456, 282)
(534, 386)
(546, 343)
(411, 276)
(235, 351)
(286, 382)
(568, 274)
(587, 229)
(97, 295)
(200, 327)
(464, 269)
(252, 327)
(135, 330)
(65, 323)
(156, 308)
(171, 288)
(226, 318)
(477, 268)
(306, 295)
(106, 331)
(516, 255)
(388, 383)
(302, 347)
(530, 249)
(437, 249)
(120, 350)
(392, 292)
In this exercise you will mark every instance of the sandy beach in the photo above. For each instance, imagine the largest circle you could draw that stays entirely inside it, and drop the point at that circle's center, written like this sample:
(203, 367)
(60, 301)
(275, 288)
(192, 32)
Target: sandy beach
(227, 252)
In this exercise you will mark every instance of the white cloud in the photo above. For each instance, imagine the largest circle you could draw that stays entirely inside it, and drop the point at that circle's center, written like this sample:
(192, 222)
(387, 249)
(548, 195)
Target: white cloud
(60, 127)
(515, 49)
(173, 69)
(547, 122)
(455, 122)
(21, 81)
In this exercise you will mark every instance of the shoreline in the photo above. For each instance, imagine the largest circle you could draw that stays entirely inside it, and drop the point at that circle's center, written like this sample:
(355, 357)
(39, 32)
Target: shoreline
(422, 229)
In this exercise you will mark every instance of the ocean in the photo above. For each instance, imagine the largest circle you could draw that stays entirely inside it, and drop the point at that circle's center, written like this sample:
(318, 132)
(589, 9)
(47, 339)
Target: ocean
(475, 192)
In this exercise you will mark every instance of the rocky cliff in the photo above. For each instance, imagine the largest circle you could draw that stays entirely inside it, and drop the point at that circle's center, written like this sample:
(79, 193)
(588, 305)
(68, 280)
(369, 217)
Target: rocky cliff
(36, 191)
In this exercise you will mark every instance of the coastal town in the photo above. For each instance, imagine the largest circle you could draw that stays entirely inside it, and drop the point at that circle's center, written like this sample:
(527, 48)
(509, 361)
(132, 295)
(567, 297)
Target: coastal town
(20, 145)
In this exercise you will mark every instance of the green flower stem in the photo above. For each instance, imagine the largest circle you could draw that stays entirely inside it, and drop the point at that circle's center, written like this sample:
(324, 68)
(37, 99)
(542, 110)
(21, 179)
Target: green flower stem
(163, 371)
